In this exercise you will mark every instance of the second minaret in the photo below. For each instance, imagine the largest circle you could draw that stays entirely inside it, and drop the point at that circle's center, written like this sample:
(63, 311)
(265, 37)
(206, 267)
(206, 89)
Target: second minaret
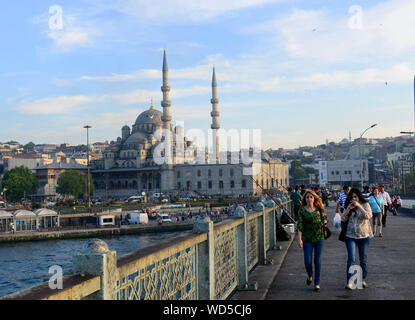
(215, 116)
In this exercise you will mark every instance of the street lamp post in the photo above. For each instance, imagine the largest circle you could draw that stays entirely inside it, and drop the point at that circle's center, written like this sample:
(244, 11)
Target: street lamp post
(87, 127)
(4, 195)
(360, 152)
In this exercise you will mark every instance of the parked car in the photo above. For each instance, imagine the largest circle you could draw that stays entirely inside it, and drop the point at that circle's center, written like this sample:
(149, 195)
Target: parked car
(164, 217)
(134, 199)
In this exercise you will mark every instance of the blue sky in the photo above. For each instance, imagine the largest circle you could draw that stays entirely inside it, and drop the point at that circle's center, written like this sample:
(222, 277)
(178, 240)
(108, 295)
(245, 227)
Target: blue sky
(301, 71)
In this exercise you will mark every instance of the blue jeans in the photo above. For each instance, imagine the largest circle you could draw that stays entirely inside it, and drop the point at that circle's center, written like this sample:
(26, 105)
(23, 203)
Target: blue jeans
(308, 248)
(362, 245)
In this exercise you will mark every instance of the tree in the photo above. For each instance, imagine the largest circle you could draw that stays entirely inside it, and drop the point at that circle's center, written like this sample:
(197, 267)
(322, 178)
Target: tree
(74, 183)
(19, 182)
(297, 171)
(29, 146)
(410, 180)
(307, 160)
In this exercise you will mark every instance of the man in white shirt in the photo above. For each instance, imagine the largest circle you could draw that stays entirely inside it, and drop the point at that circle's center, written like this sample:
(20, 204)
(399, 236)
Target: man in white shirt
(387, 202)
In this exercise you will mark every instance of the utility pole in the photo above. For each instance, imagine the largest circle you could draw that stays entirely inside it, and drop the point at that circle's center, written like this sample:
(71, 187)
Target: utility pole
(403, 178)
(360, 152)
(87, 127)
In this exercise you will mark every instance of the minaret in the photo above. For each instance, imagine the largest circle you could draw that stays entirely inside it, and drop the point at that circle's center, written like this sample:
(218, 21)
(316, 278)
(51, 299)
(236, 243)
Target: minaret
(215, 115)
(166, 103)
(167, 173)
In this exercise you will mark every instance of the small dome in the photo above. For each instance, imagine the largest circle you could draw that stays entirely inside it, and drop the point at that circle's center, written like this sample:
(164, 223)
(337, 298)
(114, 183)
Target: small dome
(125, 128)
(24, 213)
(5, 214)
(45, 212)
(136, 138)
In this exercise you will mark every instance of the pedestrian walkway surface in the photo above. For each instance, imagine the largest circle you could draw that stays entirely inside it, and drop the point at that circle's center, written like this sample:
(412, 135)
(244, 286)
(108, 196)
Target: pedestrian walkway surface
(391, 266)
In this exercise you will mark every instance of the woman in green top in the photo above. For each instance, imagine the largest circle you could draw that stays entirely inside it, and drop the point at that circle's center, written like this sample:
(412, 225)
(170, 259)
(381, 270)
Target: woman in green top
(310, 225)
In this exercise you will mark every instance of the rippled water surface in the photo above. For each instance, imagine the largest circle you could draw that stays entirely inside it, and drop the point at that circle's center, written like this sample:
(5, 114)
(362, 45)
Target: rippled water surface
(24, 264)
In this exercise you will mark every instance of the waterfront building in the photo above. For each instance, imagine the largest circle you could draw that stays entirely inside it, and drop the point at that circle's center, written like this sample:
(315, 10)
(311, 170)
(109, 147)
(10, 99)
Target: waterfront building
(48, 176)
(25, 220)
(5, 219)
(128, 167)
(341, 172)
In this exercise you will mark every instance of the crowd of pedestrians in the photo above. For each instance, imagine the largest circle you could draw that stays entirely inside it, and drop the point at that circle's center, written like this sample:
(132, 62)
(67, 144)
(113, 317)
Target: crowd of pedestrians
(362, 214)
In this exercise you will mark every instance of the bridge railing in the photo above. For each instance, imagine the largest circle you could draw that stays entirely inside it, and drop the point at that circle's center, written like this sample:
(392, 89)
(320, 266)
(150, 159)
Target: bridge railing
(209, 263)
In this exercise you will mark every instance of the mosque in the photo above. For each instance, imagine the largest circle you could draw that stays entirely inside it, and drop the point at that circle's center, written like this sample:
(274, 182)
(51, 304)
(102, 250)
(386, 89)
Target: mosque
(128, 166)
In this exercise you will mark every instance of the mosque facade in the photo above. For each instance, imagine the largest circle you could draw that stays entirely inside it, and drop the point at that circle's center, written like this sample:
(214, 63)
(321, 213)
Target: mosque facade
(128, 166)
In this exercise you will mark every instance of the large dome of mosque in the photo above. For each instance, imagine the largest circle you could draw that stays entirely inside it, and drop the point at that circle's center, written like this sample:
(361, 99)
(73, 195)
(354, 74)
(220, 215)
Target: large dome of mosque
(151, 116)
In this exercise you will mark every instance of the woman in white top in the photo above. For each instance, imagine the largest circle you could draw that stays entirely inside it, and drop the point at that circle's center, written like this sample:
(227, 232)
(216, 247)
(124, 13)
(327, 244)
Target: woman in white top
(359, 231)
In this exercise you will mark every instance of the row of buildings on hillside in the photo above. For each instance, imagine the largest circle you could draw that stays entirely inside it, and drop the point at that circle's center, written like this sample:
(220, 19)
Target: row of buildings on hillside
(127, 166)
(372, 161)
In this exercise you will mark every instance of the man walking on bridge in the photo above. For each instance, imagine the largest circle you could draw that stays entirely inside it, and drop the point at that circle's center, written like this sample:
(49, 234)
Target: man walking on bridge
(296, 198)
(386, 203)
(342, 199)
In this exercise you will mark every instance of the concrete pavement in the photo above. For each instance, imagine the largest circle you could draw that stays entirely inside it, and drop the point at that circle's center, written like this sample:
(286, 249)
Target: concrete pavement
(391, 267)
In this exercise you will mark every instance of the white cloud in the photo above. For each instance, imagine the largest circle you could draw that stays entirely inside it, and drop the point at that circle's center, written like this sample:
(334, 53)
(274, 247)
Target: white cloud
(74, 32)
(55, 105)
(62, 82)
(324, 37)
(69, 38)
(140, 95)
(199, 72)
(115, 77)
(71, 104)
(136, 96)
(181, 10)
(398, 73)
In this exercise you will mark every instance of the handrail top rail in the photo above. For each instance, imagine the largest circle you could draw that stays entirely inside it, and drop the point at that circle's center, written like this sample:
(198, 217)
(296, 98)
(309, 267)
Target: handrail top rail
(163, 249)
(43, 291)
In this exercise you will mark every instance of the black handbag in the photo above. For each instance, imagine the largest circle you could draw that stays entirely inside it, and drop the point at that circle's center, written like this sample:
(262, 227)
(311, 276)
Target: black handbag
(327, 232)
(342, 235)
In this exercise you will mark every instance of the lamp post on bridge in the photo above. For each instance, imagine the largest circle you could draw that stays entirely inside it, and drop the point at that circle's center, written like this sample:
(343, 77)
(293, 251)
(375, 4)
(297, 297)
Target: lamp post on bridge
(87, 127)
(360, 152)
(3, 193)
